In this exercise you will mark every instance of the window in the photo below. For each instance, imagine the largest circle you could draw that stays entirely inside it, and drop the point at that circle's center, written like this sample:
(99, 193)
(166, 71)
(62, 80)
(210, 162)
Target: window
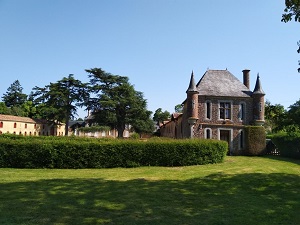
(208, 109)
(35, 126)
(242, 111)
(15, 125)
(1, 124)
(260, 107)
(207, 133)
(25, 125)
(225, 110)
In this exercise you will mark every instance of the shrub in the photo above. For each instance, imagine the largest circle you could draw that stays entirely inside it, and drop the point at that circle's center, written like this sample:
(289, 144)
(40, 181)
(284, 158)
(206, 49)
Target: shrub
(288, 144)
(255, 137)
(49, 152)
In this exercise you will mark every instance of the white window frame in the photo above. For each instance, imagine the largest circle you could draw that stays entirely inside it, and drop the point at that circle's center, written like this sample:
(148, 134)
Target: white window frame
(205, 133)
(219, 109)
(242, 112)
(210, 110)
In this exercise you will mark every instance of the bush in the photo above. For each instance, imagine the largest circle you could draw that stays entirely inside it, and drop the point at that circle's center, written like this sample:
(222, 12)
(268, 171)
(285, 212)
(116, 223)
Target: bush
(288, 144)
(256, 140)
(49, 152)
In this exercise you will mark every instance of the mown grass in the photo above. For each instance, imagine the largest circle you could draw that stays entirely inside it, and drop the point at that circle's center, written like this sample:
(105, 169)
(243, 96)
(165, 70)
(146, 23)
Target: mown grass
(242, 191)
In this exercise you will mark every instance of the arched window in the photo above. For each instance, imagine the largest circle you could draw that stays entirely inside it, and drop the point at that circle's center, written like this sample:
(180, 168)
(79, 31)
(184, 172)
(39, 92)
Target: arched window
(25, 125)
(207, 133)
(15, 125)
(208, 110)
(0, 132)
(1, 124)
(242, 110)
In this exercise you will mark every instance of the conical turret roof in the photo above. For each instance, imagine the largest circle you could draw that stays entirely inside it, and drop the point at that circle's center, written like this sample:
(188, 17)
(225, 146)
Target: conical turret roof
(258, 89)
(192, 87)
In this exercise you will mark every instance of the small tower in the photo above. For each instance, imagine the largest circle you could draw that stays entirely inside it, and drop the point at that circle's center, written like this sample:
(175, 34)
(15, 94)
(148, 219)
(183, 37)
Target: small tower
(258, 103)
(192, 104)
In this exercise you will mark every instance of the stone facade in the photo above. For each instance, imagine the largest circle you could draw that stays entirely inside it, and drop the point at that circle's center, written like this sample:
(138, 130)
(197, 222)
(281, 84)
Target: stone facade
(219, 107)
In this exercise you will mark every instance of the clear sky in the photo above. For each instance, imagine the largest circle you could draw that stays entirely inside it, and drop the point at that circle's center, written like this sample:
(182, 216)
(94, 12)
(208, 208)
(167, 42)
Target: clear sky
(156, 43)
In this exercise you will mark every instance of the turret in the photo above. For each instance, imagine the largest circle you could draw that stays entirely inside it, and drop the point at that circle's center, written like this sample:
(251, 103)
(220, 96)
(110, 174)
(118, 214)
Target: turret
(258, 103)
(192, 103)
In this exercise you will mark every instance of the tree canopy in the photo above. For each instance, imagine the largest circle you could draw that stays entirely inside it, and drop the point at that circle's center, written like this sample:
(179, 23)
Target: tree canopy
(160, 116)
(14, 95)
(116, 103)
(292, 10)
(58, 102)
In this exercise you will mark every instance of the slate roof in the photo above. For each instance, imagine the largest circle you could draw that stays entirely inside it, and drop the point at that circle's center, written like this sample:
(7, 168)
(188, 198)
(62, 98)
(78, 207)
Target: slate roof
(258, 89)
(192, 87)
(222, 83)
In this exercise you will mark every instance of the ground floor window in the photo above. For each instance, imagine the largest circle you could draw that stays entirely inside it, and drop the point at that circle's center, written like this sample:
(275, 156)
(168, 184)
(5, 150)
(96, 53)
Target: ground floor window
(207, 133)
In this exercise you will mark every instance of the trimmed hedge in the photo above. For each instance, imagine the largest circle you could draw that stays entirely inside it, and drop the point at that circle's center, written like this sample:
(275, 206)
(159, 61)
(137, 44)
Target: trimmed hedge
(287, 144)
(29, 152)
(255, 137)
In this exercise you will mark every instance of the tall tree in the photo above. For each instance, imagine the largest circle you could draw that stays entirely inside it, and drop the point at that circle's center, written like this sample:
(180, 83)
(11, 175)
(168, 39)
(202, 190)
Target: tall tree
(14, 95)
(292, 10)
(116, 103)
(179, 108)
(294, 114)
(59, 101)
(275, 116)
(160, 116)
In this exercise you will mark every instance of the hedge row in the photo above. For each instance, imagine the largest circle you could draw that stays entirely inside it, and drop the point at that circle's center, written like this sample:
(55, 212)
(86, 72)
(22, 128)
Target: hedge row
(82, 153)
(287, 144)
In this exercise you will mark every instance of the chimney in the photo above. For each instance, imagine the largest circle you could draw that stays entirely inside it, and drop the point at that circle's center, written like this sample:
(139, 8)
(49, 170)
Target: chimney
(246, 78)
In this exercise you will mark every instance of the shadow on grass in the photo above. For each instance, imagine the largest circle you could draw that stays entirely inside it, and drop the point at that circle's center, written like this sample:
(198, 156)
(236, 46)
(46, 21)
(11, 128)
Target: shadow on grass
(215, 199)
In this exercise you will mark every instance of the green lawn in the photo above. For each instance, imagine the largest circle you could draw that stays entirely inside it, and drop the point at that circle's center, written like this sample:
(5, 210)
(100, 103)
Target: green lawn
(241, 191)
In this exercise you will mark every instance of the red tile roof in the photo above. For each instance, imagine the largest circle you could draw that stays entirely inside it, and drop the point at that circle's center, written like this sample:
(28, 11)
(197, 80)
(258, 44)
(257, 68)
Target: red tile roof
(16, 119)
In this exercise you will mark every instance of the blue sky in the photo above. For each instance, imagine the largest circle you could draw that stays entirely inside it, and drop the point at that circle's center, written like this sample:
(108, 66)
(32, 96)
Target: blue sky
(156, 43)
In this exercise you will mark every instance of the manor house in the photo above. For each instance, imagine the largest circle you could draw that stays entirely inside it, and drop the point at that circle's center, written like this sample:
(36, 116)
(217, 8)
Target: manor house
(218, 107)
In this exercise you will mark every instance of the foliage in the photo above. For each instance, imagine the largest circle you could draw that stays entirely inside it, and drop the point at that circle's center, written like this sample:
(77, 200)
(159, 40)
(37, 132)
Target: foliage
(93, 129)
(275, 116)
(116, 102)
(291, 10)
(160, 116)
(179, 108)
(256, 140)
(288, 143)
(32, 152)
(294, 114)
(14, 95)
(59, 101)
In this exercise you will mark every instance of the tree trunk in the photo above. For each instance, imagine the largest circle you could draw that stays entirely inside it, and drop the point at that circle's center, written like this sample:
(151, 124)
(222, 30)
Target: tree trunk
(120, 132)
